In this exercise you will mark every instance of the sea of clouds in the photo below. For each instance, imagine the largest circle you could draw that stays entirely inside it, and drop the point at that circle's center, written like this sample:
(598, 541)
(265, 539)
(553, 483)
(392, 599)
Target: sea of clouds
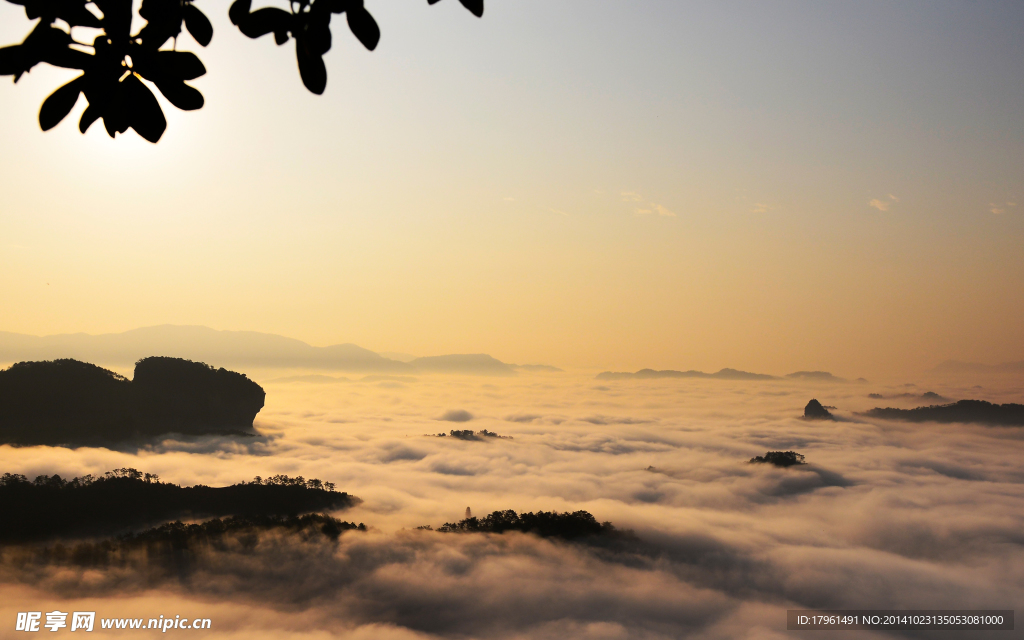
(886, 515)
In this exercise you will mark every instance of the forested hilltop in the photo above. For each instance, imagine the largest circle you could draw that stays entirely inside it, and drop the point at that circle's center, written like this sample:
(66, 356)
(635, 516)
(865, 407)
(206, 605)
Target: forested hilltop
(978, 411)
(127, 500)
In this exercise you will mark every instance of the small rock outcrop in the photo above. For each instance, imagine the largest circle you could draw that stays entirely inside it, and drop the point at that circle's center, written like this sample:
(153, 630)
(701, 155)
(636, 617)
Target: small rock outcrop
(814, 411)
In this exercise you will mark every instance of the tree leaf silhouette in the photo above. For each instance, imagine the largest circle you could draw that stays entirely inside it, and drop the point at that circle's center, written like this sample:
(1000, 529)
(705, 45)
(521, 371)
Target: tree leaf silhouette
(181, 95)
(163, 18)
(476, 7)
(72, 12)
(239, 10)
(364, 27)
(117, 18)
(76, 15)
(10, 61)
(59, 104)
(91, 115)
(179, 65)
(198, 24)
(311, 68)
(115, 115)
(264, 21)
(43, 44)
(145, 117)
(317, 35)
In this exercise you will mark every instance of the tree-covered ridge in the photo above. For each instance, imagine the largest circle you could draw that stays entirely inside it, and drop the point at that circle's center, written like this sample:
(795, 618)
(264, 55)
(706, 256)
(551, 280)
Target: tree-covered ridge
(978, 411)
(127, 500)
(469, 434)
(780, 458)
(178, 533)
(546, 524)
(174, 546)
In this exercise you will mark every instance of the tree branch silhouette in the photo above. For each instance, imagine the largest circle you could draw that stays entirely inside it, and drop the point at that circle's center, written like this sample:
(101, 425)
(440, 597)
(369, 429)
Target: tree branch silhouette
(119, 66)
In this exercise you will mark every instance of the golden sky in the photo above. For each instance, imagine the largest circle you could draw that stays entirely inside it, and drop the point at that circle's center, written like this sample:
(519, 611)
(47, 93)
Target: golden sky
(766, 186)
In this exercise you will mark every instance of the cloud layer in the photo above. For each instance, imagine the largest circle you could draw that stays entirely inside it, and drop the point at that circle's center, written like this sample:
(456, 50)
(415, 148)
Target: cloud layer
(886, 515)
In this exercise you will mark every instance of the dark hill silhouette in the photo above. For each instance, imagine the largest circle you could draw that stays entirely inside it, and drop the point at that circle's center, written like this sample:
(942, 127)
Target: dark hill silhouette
(963, 411)
(546, 524)
(644, 374)
(67, 402)
(126, 500)
(171, 394)
(814, 411)
(63, 401)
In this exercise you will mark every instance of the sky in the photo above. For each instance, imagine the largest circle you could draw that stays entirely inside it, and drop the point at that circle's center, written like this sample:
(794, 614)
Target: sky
(769, 186)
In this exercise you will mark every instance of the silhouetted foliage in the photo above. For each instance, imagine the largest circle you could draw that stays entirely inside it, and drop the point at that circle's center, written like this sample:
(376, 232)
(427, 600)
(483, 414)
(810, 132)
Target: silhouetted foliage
(546, 524)
(469, 434)
(174, 545)
(113, 73)
(127, 499)
(298, 481)
(780, 458)
(814, 411)
(963, 411)
(67, 402)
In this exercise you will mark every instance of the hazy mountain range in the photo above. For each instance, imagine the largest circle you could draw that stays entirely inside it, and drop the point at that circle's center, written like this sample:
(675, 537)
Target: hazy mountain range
(724, 374)
(238, 349)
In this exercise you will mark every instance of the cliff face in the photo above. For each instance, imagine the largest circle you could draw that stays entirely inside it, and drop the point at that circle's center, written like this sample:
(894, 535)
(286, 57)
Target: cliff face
(67, 402)
(172, 394)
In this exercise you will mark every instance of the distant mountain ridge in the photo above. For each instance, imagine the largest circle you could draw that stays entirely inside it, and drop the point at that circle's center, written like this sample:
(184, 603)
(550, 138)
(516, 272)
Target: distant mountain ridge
(240, 349)
(722, 374)
(646, 374)
(225, 348)
(819, 376)
(460, 363)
